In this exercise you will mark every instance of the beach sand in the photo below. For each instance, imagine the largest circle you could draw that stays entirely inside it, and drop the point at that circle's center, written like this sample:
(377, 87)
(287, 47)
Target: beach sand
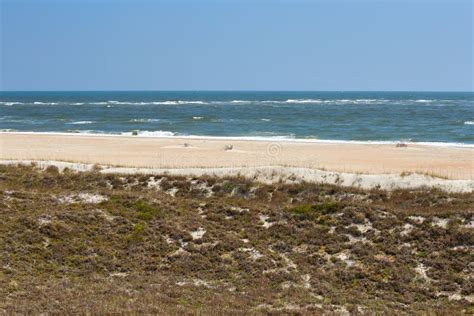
(207, 155)
(155, 152)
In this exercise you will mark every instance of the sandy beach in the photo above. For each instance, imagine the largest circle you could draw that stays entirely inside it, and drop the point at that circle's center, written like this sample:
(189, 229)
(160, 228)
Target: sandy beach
(181, 153)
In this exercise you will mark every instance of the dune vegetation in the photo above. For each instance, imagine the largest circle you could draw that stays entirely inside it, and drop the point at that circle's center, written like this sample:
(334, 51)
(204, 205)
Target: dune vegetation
(87, 242)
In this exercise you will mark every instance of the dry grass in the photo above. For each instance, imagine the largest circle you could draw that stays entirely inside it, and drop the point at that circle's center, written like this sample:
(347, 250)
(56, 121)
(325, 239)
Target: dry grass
(301, 248)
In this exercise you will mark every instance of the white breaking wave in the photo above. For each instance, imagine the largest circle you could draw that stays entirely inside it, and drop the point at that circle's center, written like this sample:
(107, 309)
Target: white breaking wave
(265, 120)
(152, 133)
(29, 121)
(110, 103)
(169, 102)
(198, 117)
(10, 103)
(130, 103)
(286, 138)
(45, 103)
(81, 122)
(469, 123)
(359, 101)
(144, 120)
(80, 131)
(179, 102)
(303, 101)
(240, 101)
(166, 102)
(334, 101)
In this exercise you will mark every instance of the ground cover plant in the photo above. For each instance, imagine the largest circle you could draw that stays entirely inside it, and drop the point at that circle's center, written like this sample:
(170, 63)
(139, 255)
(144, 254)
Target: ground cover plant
(87, 242)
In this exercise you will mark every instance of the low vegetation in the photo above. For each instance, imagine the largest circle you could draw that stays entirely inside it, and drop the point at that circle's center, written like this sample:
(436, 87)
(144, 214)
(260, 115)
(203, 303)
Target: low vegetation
(106, 243)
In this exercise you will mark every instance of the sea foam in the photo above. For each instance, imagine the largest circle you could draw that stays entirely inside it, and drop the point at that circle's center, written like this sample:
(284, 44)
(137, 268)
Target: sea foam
(45, 103)
(144, 120)
(81, 122)
(152, 133)
(10, 103)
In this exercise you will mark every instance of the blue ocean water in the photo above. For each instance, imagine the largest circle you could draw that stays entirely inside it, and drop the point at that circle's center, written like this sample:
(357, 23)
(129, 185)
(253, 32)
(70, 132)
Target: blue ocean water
(445, 117)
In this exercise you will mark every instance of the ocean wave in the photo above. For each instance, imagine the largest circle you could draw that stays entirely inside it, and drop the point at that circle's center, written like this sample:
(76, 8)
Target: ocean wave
(166, 102)
(179, 102)
(227, 120)
(45, 103)
(144, 120)
(265, 119)
(81, 131)
(27, 121)
(170, 102)
(81, 122)
(303, 101)
(283, 138)
(469, 123)
(151, 133)
(129, 103)
(333, 101)
(198, 117)
(240, 101)
(10, 103)
(111, 103)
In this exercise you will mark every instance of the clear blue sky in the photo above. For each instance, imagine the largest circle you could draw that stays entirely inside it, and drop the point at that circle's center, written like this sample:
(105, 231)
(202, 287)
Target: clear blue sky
(237, 45)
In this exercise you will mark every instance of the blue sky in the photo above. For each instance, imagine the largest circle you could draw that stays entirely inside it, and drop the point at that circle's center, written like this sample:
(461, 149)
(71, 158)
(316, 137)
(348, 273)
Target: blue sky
(237, 45)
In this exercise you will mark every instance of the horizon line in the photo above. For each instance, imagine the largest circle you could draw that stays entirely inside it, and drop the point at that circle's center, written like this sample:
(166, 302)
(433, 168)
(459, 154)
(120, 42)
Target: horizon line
(241, 90)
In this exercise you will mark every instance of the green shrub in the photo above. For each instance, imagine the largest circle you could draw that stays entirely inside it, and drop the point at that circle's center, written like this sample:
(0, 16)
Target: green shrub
(317, 211)
(146, 211)
(138, 228)
(137, 235)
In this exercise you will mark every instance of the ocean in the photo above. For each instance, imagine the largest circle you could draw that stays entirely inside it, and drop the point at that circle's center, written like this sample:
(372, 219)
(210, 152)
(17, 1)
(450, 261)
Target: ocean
(424, 117)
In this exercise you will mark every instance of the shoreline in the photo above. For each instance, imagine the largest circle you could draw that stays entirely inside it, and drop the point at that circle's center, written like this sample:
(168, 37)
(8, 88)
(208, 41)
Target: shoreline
(245, 138)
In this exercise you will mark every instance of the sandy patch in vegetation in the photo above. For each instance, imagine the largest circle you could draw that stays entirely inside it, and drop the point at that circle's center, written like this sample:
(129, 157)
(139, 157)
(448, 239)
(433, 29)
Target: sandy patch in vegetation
(82, 198)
